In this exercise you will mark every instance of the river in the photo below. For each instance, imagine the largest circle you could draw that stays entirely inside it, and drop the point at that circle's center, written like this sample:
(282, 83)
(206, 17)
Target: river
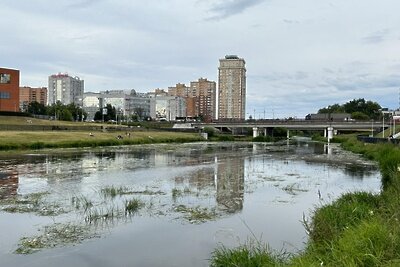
(167, 204)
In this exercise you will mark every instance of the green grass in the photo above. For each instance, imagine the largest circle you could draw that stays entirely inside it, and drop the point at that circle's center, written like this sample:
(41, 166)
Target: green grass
(33, 140)
(251, 254)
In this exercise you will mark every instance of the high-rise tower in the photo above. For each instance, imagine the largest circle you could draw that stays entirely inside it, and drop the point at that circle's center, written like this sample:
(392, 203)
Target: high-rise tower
(231, 88)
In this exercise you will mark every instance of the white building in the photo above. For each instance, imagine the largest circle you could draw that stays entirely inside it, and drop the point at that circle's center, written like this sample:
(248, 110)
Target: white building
(169, 108)
(91, 104)
(65, 89)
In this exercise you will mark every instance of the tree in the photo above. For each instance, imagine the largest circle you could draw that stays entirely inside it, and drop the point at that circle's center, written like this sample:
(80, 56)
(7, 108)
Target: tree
(369, 108)
(37, 108)
(139, 111)
(111, 114)
(359, 116)
(335, 108)
(359, 107)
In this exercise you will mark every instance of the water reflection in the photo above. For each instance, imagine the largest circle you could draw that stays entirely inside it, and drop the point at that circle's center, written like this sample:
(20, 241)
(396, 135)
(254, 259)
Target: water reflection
(278, 183)
(230, 184)
(8, 183)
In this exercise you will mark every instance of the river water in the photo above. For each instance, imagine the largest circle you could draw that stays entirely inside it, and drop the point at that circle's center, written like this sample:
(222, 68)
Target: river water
(193, 198)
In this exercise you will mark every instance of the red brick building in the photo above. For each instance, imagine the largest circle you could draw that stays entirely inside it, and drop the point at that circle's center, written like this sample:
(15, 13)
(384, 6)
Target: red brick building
(28, 95)
(9, 90)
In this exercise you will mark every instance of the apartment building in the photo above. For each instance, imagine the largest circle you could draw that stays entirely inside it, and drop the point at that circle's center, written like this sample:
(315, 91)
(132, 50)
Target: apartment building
(28, 95)
(204, 93)
(231, 88)
(65, 89)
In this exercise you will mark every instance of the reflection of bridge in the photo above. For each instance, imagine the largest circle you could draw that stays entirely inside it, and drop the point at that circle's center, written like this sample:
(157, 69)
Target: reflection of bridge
(262, 125)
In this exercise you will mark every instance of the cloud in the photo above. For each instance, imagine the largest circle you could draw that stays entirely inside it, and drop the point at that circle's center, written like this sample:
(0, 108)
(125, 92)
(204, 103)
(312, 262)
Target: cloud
(227, 8)
(82, 3)
(289, 21)
(376, 37)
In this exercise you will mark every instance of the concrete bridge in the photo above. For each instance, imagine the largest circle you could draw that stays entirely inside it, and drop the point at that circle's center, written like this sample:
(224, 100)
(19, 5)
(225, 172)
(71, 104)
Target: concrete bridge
(329, 127)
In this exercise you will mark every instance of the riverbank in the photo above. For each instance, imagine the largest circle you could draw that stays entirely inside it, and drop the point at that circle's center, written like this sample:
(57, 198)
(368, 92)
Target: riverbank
(358, 229)
(33, 140)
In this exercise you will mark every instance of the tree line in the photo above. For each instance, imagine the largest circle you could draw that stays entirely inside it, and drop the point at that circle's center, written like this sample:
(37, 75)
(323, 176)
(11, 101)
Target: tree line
(58, 110)
(360, 109)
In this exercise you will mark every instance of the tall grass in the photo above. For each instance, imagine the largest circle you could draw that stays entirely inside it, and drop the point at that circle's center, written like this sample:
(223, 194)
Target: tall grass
(248, 255)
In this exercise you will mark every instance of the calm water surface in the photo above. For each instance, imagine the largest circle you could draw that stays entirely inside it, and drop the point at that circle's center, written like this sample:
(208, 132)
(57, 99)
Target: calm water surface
(249, 190)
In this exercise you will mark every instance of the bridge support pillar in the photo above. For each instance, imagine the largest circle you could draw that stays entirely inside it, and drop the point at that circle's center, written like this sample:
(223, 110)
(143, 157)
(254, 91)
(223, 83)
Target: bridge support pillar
(330, 133)
(325, 133)
(255, 132)
(288, 134)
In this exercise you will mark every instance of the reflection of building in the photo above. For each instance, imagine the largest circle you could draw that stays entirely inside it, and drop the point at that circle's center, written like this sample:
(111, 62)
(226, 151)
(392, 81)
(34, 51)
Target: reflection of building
(231, 88)
(28, 95)
(65, 89)
(9, 90)
(230, 184)
(8, 184)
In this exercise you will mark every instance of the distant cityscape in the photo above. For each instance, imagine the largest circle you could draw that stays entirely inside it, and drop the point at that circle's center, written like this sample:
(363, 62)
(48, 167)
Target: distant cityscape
(200, 100)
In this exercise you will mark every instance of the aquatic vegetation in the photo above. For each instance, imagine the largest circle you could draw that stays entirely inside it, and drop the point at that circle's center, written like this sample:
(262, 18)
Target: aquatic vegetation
(176, 193)
(112, 192)
(132, 206)
(55, 235)
(196, 214)
(31, 203)
(179, 192)
(293, 189)
(81, 202)
(98, 215)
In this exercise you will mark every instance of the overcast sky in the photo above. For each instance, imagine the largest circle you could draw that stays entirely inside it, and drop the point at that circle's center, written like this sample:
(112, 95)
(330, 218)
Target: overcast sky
(300, 55)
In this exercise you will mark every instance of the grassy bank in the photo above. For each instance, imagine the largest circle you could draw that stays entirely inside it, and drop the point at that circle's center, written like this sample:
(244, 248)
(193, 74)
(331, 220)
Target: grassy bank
(358, 229)
(23, 140)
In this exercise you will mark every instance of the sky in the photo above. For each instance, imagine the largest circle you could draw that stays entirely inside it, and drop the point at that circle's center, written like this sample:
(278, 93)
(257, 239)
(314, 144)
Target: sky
(301, 55)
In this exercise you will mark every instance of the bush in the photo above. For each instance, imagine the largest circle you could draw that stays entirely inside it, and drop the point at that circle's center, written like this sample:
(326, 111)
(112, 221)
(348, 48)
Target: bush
(225, 138)
(210, 131)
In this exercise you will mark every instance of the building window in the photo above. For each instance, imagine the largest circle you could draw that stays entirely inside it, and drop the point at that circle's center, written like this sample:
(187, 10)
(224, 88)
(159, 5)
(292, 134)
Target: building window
(4, 95)
(5, 78)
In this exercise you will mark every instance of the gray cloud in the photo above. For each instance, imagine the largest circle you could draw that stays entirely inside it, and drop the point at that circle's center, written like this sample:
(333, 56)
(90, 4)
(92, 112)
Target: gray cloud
(227, 8)
(82, 3)
(376, 37)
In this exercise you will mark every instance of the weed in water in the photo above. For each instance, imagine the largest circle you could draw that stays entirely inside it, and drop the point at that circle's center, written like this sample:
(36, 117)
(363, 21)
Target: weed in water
(81, 202)
(31, 203)
(55, 235)
(176, 193)
(132, 206)
(196, 214)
